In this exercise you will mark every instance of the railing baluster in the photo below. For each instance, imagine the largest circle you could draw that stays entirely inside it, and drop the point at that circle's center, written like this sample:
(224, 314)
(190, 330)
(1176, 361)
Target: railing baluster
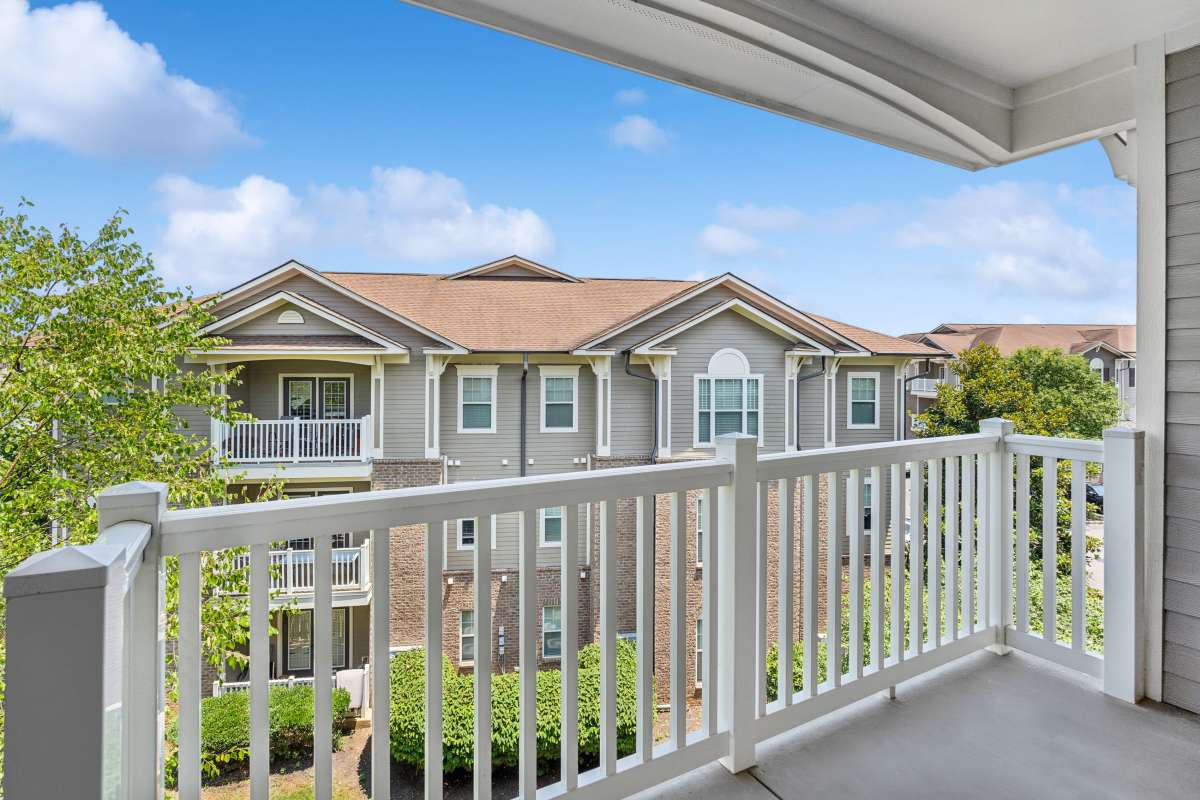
(760, 601)
(322, 661)
(1078, 549)
(896, 563)
(608, 636)
(968, 538)
(381, 759)
(569, 583)
(482, 585)
(710, 628)
(786, 490)
(833, 586)
(916, 557)
(934, 560)
(811, 554)
(260, 753)
(1049, 548)
(679, 671)
(435, 543)
(189, 676)
(1022, 543)
(878, 532)
(854, 520)
(951, 544)
(645, 627)
(527, 654)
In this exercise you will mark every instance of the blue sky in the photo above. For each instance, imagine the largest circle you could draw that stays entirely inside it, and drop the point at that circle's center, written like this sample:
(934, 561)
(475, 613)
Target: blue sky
(378, 136)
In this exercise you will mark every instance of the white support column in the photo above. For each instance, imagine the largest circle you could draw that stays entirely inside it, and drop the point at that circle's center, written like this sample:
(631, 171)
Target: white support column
(661, 367)
(435, 365)
(602, 368)
(1124, 564)
(736, 594)
(831, 402)
(901, 400)
(1150, 106)
(377, 403)
(995, 574)
(791, 367)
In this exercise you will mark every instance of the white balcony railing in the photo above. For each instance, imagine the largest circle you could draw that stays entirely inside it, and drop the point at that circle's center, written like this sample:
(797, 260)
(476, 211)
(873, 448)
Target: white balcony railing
(925, 385)
(294, 571)
(293, 440)
(85, 643)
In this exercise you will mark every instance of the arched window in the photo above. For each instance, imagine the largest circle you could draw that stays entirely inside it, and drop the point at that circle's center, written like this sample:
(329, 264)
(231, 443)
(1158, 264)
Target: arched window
(727, 398)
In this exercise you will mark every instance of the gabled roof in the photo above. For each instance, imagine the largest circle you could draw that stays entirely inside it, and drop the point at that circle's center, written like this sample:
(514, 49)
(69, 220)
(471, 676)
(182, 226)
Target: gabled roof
(514, 266)
(746, 310)
(954, 337)
(355, 330)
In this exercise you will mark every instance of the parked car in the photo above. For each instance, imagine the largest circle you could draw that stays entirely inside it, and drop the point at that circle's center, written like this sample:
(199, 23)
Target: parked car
(1095, 495)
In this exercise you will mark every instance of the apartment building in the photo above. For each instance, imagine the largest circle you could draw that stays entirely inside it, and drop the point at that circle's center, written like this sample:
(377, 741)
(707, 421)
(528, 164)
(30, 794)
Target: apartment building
(362, 381)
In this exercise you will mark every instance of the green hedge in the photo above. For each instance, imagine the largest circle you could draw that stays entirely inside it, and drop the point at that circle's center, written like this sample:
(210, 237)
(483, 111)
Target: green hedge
(458, 711)
(225, 727)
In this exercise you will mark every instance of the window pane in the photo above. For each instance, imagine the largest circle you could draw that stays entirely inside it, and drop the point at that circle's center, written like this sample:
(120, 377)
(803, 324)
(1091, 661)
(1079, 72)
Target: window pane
(551, 632)
(334, 399)
(752, 394)
(705, 394)
(552, 618)
(300, 640)
(477, 415)
(705, 432)
(477, 390)
(552, 645)
(468, 623)
(560, 390)
(552, 525)
(729, 422)
(560, 415)
(729, 395)
(468, 649)
(466, 529)
(339, 637)
(300, 399)
(862, 413)
(862, 389)
(752, 423)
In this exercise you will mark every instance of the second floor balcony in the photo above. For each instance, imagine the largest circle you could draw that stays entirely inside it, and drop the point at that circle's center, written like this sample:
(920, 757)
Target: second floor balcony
(293, 569)
(293, 440)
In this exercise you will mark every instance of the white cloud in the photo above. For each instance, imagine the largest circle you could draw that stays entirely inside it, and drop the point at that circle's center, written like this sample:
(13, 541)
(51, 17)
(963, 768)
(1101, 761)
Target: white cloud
(767, 219)
(216, 236)
(1018, 242)
(630, 97)
(69, 75)
(726, 242)
(640, 133)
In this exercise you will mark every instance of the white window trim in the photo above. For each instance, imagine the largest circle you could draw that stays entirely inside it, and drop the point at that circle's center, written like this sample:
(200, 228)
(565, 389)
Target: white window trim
(544, 632)
(866, 481)
(560, 371)
(477, 371)
(699, 445)
(699, 653)
(462, 637)
(316, 398)
(850, 376)
(542, 527)
(462, 546)
(699, 527)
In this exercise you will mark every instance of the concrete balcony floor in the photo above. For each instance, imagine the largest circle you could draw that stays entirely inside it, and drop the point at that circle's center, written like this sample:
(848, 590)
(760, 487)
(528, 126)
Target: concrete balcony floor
(982, 727)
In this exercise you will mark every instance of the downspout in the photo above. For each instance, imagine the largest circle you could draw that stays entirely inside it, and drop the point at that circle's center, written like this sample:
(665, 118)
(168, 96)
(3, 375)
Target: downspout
(907, 381)
(654, 409)
(799, 380)
(524, 402)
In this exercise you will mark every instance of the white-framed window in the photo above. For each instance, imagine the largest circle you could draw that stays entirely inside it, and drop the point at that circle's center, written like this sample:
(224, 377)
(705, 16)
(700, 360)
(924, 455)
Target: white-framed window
(316, 396)
(700, 512)
(299, 639)
(551, 632)
(550, 526)
(862, 400)
(868, 490)
(466, 533)
(700, 650)
(560, 398)
(477, 398)
(726, 399)
(466, 636)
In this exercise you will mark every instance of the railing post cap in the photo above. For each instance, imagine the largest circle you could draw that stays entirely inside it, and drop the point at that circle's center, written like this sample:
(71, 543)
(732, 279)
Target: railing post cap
(62, 569)
(132, 493)
(1124, 432)
(996, 424)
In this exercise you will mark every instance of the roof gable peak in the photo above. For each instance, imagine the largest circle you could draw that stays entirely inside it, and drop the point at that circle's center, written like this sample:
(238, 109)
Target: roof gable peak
(514, 267)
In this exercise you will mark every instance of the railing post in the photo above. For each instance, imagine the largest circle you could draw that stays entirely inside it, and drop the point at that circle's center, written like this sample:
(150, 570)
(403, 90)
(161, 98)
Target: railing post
(736, 621)
(996, 588)
(295, 439)
(365, 443)
(1124, 562)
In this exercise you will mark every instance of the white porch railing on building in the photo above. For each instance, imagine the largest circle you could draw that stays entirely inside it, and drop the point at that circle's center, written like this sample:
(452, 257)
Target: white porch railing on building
(294, 571)
(84, 640)
(293, 440)
(226, 687)
(925, 385)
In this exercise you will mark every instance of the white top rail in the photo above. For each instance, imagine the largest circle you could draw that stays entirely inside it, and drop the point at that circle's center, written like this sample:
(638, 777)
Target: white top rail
(836, 459)
(1056, 447)
(219, 527)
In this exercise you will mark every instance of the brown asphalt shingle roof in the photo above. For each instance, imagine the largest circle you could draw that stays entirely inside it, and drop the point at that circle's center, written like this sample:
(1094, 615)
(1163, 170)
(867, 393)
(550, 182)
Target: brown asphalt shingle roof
(277, 342)
(1008, 338)
(546, 315)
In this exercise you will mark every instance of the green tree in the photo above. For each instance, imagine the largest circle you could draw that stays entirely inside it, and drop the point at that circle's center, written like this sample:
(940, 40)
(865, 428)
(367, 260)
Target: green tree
(90, 347)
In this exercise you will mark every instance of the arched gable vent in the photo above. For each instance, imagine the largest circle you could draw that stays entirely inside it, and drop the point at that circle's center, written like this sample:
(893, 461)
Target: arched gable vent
(728, 361)
(291, 317)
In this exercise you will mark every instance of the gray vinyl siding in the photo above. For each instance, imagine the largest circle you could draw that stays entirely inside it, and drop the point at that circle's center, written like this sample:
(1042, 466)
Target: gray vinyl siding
(261, 381)
(632, 410)
(481, 453)
(192, 419)
(267, 324)
(886, 431)
(1181, 568)
(666, 319)
(695, 346)
(811, 396)
(404, 409)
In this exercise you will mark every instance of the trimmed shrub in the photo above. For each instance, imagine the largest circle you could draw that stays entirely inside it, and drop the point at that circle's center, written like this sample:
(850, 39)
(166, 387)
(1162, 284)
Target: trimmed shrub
(225, 728)
(458, 711)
